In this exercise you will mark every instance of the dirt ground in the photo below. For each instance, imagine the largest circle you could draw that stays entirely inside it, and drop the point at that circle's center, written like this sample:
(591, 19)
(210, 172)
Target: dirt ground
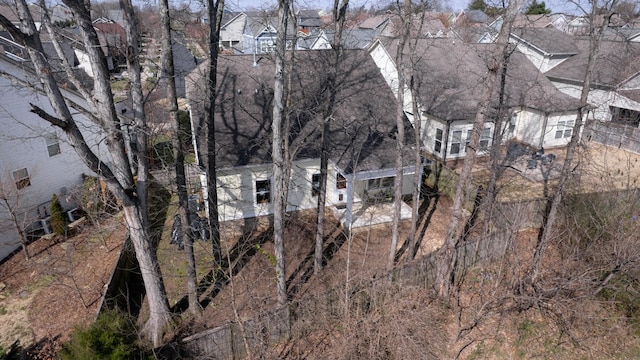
(60, 287)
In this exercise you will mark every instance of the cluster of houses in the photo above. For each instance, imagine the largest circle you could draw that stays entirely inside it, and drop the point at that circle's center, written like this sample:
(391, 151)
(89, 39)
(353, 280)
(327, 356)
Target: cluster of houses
(448, 55)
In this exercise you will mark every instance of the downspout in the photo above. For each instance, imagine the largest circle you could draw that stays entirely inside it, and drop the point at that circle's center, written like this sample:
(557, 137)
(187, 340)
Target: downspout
(349, 218)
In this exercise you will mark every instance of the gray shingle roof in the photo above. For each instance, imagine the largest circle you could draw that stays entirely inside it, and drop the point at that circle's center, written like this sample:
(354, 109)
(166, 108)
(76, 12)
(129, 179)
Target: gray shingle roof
(617, 61)
(549, 40)
(451, 80)
(363, 121)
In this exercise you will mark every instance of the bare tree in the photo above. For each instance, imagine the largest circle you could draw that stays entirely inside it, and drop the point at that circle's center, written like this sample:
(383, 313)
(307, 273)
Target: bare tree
(178, 157)
(339, 16)
(448, 254)
(10, 202)
(118, 174)
(596, 33)
(215, 9)
(400, 137)
(279, 171)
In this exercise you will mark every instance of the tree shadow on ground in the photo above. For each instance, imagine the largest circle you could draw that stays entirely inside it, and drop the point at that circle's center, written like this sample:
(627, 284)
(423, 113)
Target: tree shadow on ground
(429, 197)
(241, 253)
(305, 269)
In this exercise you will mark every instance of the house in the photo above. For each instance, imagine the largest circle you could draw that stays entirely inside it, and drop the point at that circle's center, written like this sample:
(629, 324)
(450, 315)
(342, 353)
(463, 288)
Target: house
(113, 41)
(259, 34)
(36, 160)
(362, 130)
(615, 80)
(232, 30)
(544, 47)
(451, 79)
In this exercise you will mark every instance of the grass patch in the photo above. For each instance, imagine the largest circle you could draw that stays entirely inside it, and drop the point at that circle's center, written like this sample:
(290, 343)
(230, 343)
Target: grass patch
(120, 85)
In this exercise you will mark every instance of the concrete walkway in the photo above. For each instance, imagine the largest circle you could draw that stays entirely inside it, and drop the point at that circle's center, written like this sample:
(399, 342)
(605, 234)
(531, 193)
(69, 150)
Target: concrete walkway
(374, 214)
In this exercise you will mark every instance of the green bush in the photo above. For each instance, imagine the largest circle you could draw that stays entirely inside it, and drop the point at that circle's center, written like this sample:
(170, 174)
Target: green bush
(58, 221)
(112, 336)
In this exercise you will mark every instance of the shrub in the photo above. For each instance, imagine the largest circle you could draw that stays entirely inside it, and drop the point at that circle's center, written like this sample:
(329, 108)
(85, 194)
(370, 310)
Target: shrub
(112, 336)
(58, 221)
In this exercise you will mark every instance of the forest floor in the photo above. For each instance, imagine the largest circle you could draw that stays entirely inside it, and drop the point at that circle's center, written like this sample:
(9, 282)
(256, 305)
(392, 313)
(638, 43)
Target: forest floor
(59, 288)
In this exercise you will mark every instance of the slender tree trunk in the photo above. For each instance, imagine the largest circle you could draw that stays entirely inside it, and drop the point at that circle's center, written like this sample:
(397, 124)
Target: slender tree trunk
(400, 137)
(339, 12)
(216, 9)
(595, 36)
(448, 255)
(14, 221)
(412, 246)
(178, 156)
(279, 202)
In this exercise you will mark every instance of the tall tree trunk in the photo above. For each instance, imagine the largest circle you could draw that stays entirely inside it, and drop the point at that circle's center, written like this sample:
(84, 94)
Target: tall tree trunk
(339, 12)
(216, 9)
(400, 137)
(279, 202)
(168, 70)
(595, 36)
(118, 175)
(448, 255)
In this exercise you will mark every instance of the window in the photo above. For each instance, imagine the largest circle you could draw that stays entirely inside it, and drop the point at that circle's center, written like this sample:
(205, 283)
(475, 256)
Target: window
(341, 182)
(456, 140)
(485, 139)
(564, 129)
(437, 146)
(267, 45)
(467, 140)
(315, 184)
(53, 145)
(380, 183)
(263, 191)
(21, 178)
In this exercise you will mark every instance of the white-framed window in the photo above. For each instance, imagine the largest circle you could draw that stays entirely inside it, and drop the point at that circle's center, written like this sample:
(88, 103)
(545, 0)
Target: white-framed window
(53, 144)
(459, 144)
(564, 128)
(437, 146)
(263, 191)
(341, 182)
(315, 184)
(456, 141)
(380, 183)
(21, 178)
(267, 45)
(485, 139)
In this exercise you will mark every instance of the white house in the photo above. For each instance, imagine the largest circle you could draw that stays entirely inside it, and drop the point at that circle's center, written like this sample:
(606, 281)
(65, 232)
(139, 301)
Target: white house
(615, 80)
(36, 161)
(451, 79)
(361, 140)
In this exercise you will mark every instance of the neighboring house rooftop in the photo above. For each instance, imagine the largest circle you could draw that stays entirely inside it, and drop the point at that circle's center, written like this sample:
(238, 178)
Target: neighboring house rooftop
(616, 62)
(548, 40)
(361, 127)
(452, 79)
(353, 38)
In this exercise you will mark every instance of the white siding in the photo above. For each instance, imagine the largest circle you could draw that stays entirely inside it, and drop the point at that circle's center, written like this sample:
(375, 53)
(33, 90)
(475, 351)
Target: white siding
(23, 145)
